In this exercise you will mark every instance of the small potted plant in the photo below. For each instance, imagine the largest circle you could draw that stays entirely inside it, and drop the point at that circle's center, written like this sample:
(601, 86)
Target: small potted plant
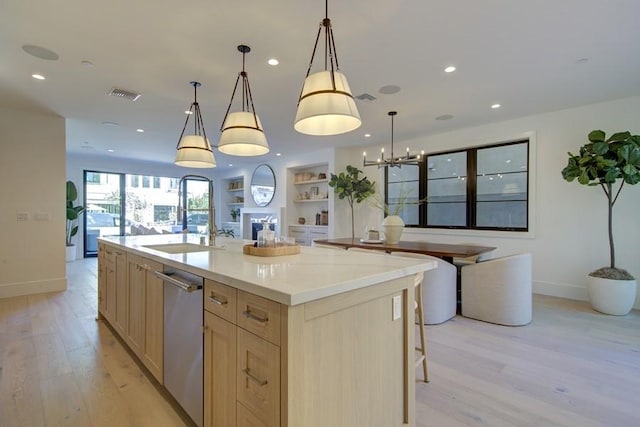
(352, 187)
(609, 163)
(73, 213)
(235, 214)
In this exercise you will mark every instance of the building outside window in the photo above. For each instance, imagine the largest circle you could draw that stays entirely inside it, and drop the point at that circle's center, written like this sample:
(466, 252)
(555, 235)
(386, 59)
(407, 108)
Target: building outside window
(480, 188)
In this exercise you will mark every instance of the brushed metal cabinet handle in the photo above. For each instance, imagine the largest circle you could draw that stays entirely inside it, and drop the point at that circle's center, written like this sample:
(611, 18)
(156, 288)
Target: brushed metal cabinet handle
(254, 378)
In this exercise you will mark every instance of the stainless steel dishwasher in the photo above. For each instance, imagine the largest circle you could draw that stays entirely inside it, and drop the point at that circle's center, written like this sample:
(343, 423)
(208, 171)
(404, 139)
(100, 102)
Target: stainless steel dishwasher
(183, 339)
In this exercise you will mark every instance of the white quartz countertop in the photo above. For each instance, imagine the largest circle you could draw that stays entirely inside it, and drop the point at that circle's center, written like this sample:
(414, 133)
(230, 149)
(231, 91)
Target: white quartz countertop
(292, 279)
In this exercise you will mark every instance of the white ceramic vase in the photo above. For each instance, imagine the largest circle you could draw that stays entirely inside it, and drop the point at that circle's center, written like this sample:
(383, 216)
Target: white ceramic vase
(71, 253)
(392, 226)
(611, 296)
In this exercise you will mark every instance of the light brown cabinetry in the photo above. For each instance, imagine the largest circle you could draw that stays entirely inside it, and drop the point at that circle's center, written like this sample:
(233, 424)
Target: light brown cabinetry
(145, 330)
(111, 275)
(242, 358)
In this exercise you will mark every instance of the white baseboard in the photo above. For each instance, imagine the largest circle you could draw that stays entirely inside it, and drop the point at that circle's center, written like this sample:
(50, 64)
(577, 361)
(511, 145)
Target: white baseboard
(9, 290)
(566, 290)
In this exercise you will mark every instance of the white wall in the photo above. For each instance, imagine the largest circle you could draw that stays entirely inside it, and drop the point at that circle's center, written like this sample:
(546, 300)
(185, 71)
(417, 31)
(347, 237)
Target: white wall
(569, 237)
(32, 253)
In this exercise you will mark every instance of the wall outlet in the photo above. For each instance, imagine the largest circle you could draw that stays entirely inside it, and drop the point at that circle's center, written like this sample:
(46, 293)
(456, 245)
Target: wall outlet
(22, 216)
(41, 216)
(397, 307)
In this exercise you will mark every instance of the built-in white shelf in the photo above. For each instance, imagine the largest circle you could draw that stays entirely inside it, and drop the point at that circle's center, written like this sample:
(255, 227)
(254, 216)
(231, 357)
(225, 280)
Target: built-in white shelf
(313, 181)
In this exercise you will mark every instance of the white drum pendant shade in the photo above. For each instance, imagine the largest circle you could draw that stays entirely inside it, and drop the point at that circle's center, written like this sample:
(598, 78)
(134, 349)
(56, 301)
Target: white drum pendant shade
(323, 111)
(240, 136)
(194, 152)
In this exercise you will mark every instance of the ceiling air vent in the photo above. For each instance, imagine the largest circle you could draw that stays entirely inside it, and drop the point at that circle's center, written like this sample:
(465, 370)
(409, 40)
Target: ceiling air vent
(124, 94)
(366, 97)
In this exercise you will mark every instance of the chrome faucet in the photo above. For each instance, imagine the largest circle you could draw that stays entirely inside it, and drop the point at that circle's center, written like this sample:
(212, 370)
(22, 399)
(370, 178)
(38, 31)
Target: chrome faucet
(213, 230)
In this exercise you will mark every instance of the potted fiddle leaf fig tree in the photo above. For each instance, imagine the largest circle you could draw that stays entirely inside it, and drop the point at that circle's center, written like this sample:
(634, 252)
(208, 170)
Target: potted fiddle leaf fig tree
(352, 187)
(73, 213)
(610, 163)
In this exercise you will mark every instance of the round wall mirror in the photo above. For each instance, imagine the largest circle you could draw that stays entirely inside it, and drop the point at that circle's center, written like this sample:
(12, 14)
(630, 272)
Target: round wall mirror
(263, 185)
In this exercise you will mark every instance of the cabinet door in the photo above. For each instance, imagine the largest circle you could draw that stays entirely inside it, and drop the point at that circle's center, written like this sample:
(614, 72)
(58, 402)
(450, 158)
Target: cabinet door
(102, 287)
(220, 340)
(154, 320)
(258, 377)
(247, 419)
(120, 315)
(300, 234)
(136, 306)
(110, 292)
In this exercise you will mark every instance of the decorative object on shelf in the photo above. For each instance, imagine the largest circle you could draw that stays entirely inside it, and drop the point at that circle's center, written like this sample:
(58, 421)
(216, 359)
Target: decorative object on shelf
(302, 220)
(322, 175)
(408, 159)
(392, 225)
(73, 213)
(353, 188)
(226, 232)
(242, 133)
(326, 105)
(263, 185)
(194, 151)
(235, 214)
(324, 218)
(604, 162)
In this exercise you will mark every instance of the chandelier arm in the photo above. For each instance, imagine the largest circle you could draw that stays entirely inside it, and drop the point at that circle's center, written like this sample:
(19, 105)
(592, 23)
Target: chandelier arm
(233, 94)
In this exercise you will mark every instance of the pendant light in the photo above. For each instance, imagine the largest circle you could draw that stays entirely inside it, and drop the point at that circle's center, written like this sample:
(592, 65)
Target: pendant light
(194, 150)
(242, 133)
(326, 106)
(408, 159)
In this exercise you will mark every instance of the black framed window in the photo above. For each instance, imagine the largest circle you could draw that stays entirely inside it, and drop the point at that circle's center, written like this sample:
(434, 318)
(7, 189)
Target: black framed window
(403, 192)
(481, 188)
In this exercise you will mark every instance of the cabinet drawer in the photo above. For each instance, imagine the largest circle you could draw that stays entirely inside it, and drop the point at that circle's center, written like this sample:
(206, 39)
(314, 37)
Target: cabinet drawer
(260, 316)
(258, 384)
(247, 419)
(221, 300)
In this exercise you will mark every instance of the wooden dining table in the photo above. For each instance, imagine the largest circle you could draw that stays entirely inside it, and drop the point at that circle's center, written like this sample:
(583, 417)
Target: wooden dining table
(445, 251)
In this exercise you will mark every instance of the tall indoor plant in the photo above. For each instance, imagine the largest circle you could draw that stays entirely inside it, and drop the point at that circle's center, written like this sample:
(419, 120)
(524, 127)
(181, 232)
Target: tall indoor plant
(609, 163)
(73, 213)
(352, 187)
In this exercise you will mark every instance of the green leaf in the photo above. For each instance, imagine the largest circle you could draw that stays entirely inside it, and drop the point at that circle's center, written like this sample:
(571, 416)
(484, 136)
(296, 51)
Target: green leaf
(596, 136)
(600, 148)
(620, 136)
(74, 231)
(71, 214)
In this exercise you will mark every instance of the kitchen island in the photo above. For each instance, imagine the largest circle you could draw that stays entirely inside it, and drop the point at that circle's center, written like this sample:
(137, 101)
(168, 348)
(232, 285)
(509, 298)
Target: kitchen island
(320, 338)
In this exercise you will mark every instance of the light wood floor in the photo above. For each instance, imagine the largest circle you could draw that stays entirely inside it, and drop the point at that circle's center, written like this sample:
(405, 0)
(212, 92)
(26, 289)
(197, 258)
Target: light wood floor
(569, 367)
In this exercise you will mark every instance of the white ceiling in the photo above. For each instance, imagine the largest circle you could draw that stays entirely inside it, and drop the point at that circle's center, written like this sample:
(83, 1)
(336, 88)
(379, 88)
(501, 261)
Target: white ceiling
(522, 54)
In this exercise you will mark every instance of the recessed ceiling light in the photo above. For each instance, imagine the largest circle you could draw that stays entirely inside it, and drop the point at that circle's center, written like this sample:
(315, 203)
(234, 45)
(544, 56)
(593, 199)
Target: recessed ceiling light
(278, 154)
(111, 150)
(367, 135)
(86, 64)
(273, 61)
(508, 161)
(582, 61)
(37, 76)
(40, 52)
(230, 165)
(140, 130)
(449, 159)
(494, 106)
(450, 69)
(445, 117)
(389, 89)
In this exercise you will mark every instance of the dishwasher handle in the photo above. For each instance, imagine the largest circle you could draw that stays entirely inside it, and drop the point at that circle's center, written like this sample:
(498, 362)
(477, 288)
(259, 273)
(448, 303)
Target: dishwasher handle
(185, 286)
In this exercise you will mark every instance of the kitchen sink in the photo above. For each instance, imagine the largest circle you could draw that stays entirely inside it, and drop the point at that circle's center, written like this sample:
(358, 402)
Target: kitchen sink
(181, 248)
